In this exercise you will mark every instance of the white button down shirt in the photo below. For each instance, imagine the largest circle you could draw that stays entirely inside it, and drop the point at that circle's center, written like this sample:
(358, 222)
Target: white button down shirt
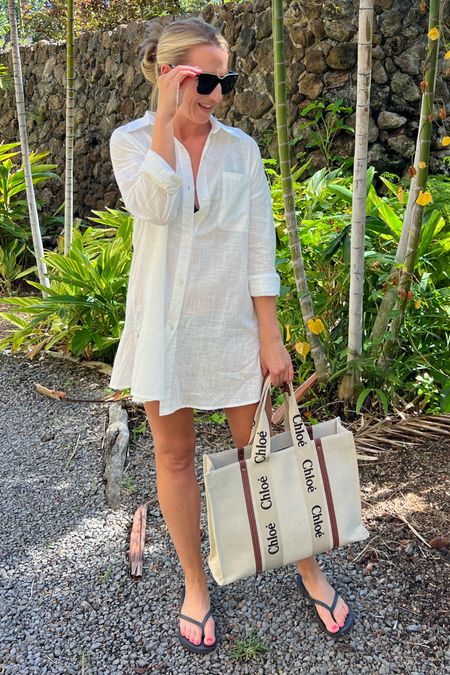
(191, 334)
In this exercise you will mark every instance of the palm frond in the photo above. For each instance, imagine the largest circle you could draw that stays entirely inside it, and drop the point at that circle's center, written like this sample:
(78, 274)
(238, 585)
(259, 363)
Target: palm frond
(387, 434)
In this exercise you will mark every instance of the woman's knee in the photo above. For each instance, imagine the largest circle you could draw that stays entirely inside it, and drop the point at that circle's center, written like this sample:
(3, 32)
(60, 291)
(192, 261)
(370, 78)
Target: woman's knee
(176, 456)
(173, 436)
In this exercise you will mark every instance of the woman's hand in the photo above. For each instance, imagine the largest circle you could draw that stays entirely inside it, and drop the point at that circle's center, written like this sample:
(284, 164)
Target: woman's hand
(275, 359)
(169, 85)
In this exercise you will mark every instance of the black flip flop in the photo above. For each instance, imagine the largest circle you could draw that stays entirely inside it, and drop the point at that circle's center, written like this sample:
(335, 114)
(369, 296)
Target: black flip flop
(187, 644)
(348, 619)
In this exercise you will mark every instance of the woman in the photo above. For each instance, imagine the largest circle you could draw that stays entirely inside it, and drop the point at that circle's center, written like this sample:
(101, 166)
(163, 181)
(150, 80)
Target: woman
(201, 328)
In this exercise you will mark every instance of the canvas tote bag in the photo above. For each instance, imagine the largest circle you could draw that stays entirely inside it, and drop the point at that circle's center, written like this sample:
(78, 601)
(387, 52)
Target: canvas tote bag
(281, 498)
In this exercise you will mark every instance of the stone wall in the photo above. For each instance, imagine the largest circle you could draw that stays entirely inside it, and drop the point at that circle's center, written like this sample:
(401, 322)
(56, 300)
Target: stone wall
(321, 54)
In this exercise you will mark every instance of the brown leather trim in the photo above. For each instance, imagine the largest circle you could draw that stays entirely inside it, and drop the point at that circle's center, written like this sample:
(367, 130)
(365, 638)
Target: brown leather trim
(251, 516)
(329, 496)
(309, 429)
(240, 454)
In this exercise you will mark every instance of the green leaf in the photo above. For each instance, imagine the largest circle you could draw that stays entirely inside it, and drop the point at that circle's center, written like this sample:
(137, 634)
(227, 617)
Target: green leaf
(361, 398)
(341, 191)
(80, 341)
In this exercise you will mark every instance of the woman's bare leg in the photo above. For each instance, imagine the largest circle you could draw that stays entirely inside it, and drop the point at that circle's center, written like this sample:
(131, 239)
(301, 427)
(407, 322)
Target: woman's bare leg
(240, 420)
(179, 500)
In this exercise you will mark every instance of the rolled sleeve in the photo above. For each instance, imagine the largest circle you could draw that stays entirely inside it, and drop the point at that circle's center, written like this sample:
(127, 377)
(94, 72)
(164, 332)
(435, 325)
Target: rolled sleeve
(264, 284)
(263, 279)
(162, 173)
(150, 188)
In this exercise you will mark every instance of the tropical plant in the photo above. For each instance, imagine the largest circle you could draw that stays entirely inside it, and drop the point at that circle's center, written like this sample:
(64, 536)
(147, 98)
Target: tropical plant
(84, 309)
(323, 121)
(10, 265)
(324, 205)
(5, 78)
(14, 214)
(4, 25)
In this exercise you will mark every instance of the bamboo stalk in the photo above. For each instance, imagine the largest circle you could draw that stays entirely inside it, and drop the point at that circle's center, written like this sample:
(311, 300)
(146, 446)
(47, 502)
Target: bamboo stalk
(23, 135)
(400, 278)
(352, 378)
(306, 305)
(70, 122)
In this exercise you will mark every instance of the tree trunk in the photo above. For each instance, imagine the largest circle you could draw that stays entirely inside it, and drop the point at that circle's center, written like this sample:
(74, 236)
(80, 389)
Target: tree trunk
(20, 17)
(418, 184)
(20, 103)
(306, 306)
(400, 278)
(351, 379)
(70, 121)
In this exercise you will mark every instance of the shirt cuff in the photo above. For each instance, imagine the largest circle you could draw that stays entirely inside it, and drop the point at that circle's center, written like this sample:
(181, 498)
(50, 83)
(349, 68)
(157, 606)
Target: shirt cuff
(161, 172)
(264, 284)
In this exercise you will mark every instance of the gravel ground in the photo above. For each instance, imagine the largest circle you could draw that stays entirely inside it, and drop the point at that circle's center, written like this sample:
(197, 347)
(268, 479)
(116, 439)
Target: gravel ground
(68, 605)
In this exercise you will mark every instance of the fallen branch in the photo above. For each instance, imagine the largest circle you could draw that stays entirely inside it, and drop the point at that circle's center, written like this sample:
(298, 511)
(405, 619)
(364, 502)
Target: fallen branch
(278, 415)
(62, 396)
(137, 541)
(413, 530)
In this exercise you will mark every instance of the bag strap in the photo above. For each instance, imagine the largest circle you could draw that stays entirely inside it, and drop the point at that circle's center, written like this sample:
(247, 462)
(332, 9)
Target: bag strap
(260, 437)
(293, 420)
(266, 384)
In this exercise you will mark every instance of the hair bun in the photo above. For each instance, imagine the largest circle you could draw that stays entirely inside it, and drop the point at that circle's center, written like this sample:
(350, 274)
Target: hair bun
(149, 47)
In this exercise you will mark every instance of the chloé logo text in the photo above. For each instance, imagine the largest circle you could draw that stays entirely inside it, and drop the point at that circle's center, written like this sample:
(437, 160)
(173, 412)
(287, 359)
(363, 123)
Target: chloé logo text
(261, 446)
(317, 519)
(272, 539)
(309, 475)
(265, 502)
(300, 431)
(264, 493)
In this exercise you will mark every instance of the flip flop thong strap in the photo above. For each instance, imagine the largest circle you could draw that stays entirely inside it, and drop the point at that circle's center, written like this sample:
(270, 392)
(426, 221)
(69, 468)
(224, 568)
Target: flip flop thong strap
(331, 607)
(198, 623)
(188, 618)
(207, 615)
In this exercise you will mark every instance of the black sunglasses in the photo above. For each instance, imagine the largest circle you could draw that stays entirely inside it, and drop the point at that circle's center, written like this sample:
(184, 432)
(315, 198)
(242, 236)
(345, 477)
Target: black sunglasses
(207, 82)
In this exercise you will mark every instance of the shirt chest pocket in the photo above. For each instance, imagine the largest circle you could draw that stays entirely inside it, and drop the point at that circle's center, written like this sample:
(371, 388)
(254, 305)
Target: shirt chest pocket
(234, 212)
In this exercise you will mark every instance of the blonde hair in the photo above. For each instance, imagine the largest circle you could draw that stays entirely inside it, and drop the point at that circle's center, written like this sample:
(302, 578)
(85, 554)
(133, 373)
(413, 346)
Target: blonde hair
(171, 44)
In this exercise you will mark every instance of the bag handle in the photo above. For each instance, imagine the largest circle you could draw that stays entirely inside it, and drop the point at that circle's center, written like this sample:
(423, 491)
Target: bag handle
(260, 436)
(258, 409)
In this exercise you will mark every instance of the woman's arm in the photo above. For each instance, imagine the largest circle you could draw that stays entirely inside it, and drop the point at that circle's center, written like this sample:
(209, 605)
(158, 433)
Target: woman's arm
(264, 281)
(274, 356)
(149, 186)
(163, 139)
